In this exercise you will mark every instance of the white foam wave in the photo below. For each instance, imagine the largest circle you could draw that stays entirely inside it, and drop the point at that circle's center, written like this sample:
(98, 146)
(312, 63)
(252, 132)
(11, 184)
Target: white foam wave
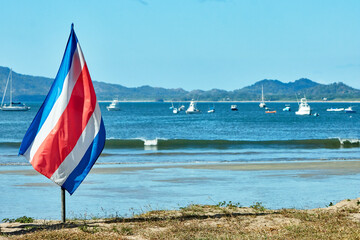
(152, 142)
(349, 140)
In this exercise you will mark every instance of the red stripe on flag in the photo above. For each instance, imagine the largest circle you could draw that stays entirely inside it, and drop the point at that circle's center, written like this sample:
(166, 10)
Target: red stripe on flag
(63, 138)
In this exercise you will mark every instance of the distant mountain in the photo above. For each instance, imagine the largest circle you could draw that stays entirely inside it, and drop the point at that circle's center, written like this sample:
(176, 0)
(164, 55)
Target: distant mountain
(276, 90)
(33, 88)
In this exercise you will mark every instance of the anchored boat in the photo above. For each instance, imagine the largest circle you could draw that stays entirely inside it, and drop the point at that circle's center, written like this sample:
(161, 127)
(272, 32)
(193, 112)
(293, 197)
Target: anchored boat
(13, 106)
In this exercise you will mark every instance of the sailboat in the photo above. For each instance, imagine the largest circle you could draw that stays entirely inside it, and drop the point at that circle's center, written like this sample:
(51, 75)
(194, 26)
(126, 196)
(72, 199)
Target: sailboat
(13, 106)
(262, 103)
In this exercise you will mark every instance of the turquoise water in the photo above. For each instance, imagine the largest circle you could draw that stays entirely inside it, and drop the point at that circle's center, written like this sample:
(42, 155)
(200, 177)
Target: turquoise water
(154, 177)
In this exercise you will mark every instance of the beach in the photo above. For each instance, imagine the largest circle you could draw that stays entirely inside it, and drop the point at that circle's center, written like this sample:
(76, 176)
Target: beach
(223, 221)
(125, 189)
(247, 156)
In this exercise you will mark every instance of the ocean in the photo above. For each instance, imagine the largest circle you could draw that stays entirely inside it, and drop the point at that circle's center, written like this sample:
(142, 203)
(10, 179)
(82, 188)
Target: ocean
(245, 156)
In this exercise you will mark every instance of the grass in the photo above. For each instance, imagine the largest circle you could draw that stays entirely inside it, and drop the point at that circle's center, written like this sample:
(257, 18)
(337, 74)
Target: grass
(23, 219)
(211, 222)
(258, 206)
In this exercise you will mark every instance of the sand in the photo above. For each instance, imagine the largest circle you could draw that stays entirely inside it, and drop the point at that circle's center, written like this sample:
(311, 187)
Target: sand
(325, 167)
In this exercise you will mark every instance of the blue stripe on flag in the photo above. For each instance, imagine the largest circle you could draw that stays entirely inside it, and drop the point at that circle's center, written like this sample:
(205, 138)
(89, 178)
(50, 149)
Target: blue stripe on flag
(83, 168)
(53, 94)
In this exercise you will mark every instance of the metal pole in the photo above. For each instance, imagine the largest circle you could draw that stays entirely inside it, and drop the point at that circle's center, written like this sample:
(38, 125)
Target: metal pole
(63, 215)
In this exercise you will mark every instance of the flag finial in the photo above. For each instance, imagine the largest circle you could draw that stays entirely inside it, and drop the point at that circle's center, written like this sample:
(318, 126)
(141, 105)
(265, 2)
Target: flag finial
(72, 26)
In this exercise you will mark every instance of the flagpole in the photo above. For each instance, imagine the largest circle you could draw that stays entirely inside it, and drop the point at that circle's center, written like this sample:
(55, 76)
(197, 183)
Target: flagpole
(63, 215)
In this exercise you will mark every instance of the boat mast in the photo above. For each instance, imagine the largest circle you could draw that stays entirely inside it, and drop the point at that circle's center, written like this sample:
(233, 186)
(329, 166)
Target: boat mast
(10, 87)
(262, 93)
(7, 82)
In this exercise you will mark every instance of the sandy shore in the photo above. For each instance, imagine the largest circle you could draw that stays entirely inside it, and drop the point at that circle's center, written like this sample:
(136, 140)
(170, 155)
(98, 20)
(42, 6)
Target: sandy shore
(327, 167)
(223, 221)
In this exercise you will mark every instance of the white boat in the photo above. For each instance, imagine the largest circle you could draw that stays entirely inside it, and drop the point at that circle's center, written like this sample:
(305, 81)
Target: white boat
(192, 108)
(287, 109)
(349, 110)
(233, 108)
(211, 109)
(304, 108)
(13, 106)
(175, 110)
(335, 109)
(114, 105)
(262, 103)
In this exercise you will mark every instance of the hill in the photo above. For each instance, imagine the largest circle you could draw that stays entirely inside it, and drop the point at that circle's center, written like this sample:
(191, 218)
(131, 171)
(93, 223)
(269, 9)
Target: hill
(34, 88)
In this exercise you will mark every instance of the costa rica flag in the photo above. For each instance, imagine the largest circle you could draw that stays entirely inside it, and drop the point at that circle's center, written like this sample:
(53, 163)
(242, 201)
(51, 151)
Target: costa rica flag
(67, 134)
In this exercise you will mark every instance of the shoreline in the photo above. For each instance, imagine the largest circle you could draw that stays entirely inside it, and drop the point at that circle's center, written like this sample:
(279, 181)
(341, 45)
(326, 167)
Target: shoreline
(338, 167)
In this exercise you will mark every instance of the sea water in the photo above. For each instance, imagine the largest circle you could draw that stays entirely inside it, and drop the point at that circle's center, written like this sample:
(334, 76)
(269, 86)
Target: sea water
(155, 159)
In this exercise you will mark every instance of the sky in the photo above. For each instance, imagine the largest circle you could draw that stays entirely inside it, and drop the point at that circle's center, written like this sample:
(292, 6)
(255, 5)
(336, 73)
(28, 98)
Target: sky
(189, 44)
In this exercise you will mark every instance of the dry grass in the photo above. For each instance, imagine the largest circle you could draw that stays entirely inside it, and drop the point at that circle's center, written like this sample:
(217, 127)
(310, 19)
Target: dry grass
(341, 221)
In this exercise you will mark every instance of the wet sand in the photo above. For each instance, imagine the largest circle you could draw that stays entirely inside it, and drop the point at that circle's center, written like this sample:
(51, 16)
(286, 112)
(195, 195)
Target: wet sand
(325, 167)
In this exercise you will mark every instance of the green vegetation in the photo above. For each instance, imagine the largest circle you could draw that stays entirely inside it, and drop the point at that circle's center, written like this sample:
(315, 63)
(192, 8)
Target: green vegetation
(243, 223)
(23, 219)
(258, 207)
(229, 204)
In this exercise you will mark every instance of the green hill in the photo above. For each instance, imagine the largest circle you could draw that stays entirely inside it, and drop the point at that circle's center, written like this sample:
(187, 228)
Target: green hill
(34, 88)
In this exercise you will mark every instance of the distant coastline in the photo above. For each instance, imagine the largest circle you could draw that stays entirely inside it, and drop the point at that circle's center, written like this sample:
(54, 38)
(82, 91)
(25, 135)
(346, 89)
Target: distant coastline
(34, 89)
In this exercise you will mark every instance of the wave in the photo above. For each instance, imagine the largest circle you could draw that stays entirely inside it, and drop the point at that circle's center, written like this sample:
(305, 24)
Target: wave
(173, 144)
(170, 144)
(10, 144)
(349, 141)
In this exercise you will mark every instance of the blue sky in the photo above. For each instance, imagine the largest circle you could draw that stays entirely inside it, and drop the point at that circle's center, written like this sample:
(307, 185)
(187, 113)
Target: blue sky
(192, 44)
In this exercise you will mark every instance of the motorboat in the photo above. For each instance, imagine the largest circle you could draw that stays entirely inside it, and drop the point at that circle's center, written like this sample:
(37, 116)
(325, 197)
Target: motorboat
(316, 114)
(114, 105)
(287, 109)
(233, 108)
(262, 103)
(304, 108)
(335, 109)
(12, 106)
(349, 110)
(192, 108)
(211, 110)
(270, 111)
(175, 110)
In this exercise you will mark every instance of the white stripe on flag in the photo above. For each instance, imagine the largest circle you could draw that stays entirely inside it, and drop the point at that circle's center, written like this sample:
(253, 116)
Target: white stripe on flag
(72, 160)
(60, 104)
